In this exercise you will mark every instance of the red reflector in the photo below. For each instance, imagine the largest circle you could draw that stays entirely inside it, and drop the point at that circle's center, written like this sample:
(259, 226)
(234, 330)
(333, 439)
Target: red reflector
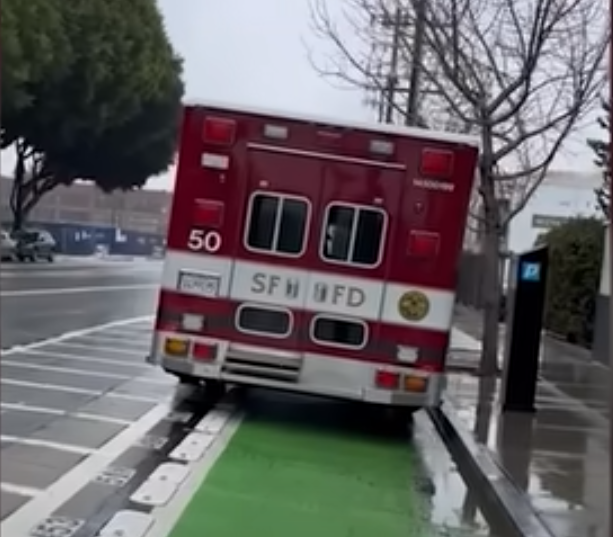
(387, 379)
(203, 351)
(208, 213)
(423, 244)
(437, 163)
(218, 131)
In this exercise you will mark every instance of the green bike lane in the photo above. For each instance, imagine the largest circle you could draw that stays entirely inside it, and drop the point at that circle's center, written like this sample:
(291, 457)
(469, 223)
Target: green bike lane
(303, 467)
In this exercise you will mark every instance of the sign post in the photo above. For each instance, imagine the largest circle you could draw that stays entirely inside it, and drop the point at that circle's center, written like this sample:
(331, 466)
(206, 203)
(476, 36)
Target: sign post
(526, 306)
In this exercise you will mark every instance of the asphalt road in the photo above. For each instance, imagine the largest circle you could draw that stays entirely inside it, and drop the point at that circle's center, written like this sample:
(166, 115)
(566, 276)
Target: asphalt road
(80, 408)
(44, 300)
(85, 422)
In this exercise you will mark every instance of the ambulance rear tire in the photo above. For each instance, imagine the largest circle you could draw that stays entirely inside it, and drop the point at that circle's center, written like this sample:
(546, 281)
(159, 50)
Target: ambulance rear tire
(187, 380)
(401, 416)
(215, 388)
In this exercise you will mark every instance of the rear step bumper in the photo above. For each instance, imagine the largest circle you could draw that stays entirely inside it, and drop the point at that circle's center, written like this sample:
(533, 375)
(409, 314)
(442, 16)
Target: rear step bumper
(307, 373)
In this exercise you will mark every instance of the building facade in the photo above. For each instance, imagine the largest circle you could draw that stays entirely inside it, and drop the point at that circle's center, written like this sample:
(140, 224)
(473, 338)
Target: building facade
(143, 211)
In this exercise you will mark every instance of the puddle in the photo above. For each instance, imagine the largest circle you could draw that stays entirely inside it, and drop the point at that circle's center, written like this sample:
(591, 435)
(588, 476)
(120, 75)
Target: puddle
(452, 508)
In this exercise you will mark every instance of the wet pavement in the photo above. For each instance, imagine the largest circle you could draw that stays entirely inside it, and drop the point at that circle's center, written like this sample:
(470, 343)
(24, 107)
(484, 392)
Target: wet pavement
(44, 300)
(85, 422)
(84, 414)
(567, 368)
(560, 455)
(457, 507)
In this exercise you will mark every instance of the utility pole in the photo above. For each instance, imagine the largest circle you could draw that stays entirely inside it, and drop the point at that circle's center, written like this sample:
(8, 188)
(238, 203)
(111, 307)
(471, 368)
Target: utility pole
(392, 77)
(412, 110)
(398, 23)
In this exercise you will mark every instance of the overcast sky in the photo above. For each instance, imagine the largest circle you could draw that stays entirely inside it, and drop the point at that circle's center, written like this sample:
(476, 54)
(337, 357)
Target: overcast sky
(253, 53)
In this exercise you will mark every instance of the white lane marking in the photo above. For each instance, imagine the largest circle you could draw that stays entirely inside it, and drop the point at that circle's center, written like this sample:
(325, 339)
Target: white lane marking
(19, 490)
(48, 444)
(76, 290)
(118, 343)
(82, 372)
(21, 522)
(100, 348)
(125, 333)
(20, 407)
(68, 370)
(87, 359)
(75, 333)
(81, 391)
(67, 274)
(50, 387)
(100, 418)
(129, 332)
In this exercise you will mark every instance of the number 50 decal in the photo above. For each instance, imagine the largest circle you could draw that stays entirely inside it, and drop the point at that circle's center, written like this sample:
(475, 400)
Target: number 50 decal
(209, 241)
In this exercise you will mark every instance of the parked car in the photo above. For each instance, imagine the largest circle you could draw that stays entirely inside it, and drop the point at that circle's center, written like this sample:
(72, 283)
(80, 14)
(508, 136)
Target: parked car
(158, 252)
(8, 246)
(33, 244)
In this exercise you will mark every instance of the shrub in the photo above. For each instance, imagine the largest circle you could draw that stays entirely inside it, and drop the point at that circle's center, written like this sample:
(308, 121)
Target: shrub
(575, 260)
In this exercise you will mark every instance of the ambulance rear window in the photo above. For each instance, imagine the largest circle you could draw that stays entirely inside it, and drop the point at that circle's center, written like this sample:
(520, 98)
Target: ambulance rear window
(277, 224)
(353, 235)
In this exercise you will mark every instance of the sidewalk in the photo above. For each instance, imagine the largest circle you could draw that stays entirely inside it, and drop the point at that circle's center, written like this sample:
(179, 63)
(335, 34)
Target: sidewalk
(566, 367)
(559, 457)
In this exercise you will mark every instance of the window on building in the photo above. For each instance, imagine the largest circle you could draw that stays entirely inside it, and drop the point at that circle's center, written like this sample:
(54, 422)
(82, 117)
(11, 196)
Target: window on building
(277, 224)
(353, 235)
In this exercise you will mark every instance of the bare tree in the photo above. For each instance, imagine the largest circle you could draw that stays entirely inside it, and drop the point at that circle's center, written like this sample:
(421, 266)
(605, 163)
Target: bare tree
(521, 74)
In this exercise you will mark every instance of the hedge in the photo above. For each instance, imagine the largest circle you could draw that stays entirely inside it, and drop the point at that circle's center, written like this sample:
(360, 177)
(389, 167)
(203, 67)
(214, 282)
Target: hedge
(575, 260)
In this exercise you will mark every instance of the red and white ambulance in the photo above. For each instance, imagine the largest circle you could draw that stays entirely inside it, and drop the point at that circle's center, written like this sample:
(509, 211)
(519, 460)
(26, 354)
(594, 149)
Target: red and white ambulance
(313, 255)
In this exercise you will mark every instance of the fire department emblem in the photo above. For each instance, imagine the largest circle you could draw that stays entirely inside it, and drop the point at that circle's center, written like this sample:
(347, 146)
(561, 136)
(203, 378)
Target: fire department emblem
(413, 306)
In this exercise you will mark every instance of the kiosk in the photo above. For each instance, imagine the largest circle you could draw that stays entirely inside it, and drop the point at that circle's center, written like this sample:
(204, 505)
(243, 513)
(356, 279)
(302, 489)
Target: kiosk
(525, 308)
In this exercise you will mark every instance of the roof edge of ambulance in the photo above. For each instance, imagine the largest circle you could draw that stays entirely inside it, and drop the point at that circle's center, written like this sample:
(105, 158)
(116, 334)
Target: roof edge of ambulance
(385, 128)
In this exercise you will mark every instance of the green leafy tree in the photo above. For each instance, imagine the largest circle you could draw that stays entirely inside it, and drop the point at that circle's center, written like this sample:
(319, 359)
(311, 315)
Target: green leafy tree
(31, 51)
(602, 159)
(111, 115)
(576, 251)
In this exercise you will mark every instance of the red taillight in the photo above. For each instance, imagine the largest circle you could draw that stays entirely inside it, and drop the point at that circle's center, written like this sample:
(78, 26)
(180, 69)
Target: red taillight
(423, 244)
(218, 131)
(204, 351)
(208, 213)
(437, 163)
(387, 380)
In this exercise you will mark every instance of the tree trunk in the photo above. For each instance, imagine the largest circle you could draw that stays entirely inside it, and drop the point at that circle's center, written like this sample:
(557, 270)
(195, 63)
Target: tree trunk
(491, 301)
(18, 193)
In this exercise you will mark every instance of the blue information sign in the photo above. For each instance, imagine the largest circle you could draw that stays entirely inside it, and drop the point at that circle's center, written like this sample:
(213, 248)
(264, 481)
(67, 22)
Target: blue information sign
(530, 272)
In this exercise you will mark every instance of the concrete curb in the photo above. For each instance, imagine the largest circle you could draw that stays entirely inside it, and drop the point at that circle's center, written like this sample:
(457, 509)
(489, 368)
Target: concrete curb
(158, 503)
(477, 465)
